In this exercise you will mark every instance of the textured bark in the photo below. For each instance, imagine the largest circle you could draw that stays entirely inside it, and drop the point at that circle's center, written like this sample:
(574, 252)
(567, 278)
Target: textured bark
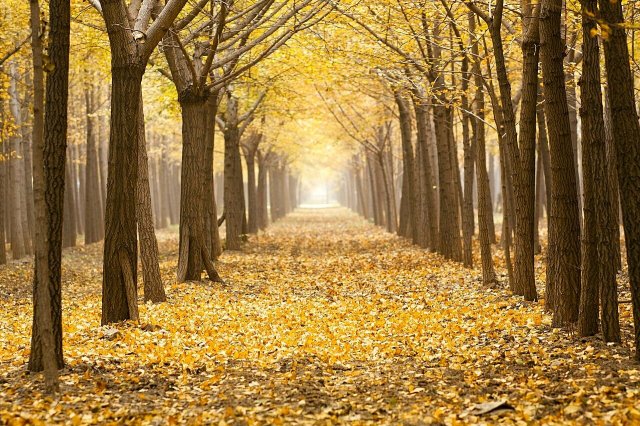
(564, 229)
(450, 244)
(409, 216)
(121, 244)
(524, 174)
(485, 210)
(427, 202)
(626, 136)
(129, 56)
(520, 156)
(46, 337)
(193, 255)
(53, 168)
(612, 178)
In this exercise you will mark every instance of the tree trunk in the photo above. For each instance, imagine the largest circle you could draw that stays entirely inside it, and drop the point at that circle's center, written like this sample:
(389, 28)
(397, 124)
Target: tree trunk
(261, 193)
(252, 224)
(153, 287)
(94, 225)
(69, 223)
(193, 255)
(626, 134)
(564, 229)
(119, 292)
(211, 218)
(485, 206)
(233, 185)
(19, 244)
(449, 245)
(49, 140)
(428, 204)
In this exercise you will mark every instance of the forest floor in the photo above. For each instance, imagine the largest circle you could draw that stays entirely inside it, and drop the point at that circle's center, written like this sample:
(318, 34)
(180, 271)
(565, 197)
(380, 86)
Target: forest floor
(323, 319)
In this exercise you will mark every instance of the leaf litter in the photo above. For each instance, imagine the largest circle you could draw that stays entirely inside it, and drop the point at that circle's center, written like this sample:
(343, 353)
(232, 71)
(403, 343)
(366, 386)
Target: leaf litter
(324, 319)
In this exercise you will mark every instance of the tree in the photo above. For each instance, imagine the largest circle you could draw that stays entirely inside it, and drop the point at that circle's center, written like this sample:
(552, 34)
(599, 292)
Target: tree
(564, 230)
(626, 136)
(132, 41)
(50, 139)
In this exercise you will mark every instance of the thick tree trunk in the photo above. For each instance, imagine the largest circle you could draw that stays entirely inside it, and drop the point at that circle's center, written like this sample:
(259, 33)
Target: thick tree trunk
(193, 255)
(626, 136)
(564, 229)
(450, 245)
(119, 292)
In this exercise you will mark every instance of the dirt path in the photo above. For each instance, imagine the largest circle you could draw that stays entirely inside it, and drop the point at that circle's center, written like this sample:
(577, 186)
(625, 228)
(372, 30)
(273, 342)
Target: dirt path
(323, 319)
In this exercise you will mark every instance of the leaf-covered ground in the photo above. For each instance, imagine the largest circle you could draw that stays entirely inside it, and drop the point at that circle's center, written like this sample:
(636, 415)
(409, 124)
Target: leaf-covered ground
(323, 319)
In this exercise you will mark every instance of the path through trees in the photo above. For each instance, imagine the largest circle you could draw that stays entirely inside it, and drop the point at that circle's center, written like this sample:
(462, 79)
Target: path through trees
(323, 317)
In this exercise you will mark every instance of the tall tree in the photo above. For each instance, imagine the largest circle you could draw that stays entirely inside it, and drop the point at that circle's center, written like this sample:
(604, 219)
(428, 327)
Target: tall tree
(564, 231)
(626, 137)
(50, 140)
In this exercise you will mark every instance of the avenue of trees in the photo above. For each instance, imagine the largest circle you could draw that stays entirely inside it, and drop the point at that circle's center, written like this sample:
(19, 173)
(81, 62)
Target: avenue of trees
(468, 128)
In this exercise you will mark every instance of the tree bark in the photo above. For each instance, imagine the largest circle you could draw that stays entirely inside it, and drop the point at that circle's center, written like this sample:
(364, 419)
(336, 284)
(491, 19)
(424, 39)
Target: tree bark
(49, 140)
(193, 253)
(598, 258)
(564, 229)
(626, 136)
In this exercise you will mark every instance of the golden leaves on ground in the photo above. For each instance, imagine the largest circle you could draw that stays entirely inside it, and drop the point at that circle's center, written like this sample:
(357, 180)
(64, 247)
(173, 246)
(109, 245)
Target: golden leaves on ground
(324, 319)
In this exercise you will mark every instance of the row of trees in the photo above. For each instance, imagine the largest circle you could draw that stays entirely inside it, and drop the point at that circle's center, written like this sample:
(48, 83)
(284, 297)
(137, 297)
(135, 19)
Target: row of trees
(567, 141)
(104, 184)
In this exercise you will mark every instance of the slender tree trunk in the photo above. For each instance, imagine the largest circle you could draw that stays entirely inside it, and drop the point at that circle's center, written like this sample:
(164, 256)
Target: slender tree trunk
(261, 193)
(3, 203)
(69, 224)
(251, 192)
(153, 287)
(19, 244)
(564, 229)
(94, 225)
(612, 178)
(49, 140)
(428, 205)
(450, 245)
(626, 136)
(485, 206)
